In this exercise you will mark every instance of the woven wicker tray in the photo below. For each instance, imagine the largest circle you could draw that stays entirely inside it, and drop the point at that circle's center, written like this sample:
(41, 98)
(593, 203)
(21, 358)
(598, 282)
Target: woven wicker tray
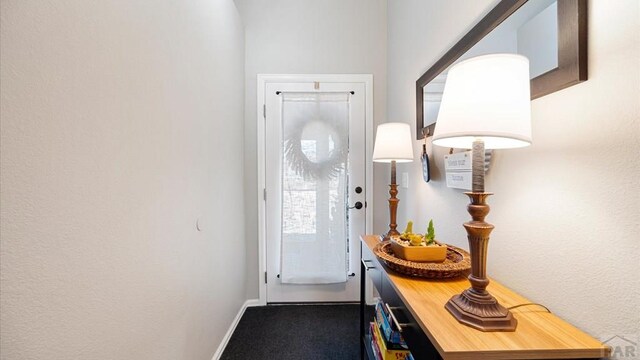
(457, 263)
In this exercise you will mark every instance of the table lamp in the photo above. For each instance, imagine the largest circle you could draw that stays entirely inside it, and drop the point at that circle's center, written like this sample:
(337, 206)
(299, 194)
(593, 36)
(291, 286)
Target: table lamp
(393, 145)
(486, 104)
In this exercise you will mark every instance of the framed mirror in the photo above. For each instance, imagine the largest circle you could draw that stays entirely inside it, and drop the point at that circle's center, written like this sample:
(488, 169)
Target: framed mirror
(551, 33)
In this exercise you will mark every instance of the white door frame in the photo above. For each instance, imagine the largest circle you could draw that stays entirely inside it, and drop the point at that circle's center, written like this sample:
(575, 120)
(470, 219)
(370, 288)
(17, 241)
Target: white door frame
(263, 79)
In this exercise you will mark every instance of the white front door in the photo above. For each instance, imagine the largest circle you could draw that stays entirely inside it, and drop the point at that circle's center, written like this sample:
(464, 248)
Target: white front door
(315, 153)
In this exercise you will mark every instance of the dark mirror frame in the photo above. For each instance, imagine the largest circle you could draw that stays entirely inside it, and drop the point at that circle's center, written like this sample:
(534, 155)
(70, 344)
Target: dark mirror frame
(572, 52)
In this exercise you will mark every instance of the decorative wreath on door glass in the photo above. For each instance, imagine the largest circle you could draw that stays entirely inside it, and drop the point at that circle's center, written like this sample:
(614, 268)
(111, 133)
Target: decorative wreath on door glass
(316, 170)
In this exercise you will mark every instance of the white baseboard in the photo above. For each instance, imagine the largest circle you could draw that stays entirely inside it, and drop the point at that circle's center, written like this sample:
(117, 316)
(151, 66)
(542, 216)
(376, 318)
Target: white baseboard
(253, 302)
(232, 328)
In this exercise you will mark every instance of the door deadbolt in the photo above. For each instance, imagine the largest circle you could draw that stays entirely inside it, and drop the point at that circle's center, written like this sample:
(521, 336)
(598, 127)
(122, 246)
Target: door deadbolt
(358, 189)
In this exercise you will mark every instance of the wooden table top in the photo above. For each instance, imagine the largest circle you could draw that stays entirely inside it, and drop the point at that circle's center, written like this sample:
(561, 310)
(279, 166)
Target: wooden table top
(539, 335)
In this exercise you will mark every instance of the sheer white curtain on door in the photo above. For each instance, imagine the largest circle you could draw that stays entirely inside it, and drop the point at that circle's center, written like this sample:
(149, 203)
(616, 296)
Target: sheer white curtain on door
(315, 129)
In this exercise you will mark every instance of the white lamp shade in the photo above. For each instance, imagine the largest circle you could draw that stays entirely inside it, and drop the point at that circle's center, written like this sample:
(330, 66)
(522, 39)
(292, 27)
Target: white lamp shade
(393, 142)
(486, 98)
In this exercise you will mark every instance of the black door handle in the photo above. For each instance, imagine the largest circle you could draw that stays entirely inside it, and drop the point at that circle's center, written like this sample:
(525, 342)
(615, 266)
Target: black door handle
(357, 206)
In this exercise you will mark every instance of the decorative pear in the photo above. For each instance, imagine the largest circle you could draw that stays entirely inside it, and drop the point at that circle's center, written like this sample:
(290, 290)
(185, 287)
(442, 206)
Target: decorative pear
(408, 231)
(409, 228)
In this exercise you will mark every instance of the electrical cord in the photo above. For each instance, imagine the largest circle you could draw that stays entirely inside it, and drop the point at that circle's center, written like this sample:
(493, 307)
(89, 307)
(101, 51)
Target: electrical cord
(529, 304)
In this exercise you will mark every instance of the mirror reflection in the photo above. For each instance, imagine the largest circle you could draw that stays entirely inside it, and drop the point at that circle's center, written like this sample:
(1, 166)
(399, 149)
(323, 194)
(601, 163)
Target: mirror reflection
(531, 31)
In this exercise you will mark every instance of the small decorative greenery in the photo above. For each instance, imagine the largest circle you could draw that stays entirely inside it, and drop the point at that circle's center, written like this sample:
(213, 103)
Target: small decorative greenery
(430, 236)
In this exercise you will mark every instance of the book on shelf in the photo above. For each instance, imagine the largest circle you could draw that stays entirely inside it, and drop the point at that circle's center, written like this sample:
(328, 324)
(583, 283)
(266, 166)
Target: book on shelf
(391, 334)
(374, 345)
(380, 345)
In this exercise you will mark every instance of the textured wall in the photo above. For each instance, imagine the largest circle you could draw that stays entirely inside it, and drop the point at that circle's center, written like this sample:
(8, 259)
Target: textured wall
(306, 37)
(119, 119)
(565, 209)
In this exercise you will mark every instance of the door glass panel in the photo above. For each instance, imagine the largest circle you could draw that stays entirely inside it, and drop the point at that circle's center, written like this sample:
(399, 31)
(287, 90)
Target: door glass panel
(315, 147)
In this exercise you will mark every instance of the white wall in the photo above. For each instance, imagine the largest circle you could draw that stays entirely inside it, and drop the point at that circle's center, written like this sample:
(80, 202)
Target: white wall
(565, 209)
(417, 37)
(118, 119)
(306, 37)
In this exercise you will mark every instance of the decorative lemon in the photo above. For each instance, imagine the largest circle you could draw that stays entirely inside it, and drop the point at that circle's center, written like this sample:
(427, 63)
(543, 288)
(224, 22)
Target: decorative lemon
(415, 239)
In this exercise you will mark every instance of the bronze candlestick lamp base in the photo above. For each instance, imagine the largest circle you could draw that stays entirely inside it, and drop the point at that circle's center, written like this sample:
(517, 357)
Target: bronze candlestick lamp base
(475, 307)
(393, 204)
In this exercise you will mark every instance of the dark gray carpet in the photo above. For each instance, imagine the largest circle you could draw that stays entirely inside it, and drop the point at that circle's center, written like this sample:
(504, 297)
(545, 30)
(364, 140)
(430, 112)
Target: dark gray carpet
(296, 332)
